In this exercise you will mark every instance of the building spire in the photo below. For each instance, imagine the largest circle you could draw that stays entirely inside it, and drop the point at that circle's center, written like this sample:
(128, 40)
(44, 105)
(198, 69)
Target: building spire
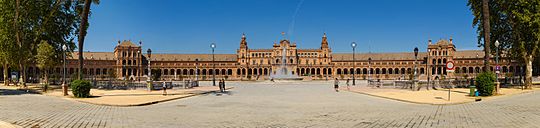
(243, 42)
(324, 43)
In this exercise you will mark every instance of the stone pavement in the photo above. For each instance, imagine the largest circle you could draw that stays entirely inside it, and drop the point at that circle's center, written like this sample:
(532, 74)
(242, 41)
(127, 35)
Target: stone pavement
(7, 125)
(295, 104)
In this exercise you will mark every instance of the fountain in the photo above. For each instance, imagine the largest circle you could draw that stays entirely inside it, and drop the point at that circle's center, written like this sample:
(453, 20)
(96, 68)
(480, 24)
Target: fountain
(282, 73)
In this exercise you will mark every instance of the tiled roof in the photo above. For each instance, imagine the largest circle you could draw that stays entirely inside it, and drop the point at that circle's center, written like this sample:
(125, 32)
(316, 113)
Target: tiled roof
(377, 56)
(128, 43)
(93, 55)
(192, 57)
(469, 54)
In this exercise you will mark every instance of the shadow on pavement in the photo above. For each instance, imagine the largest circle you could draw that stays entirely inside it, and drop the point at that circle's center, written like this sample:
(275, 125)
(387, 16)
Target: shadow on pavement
(16, 92)
(217, 93)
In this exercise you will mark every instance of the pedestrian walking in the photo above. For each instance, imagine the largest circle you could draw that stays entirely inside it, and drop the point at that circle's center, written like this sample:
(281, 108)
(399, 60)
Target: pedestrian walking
(348, 84)
(336, 85)
(164, 88)
(220, 86)
(223, 85)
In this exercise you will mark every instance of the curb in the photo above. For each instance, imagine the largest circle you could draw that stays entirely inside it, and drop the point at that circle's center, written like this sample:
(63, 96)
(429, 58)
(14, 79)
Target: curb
(414, 102)
(152, 102)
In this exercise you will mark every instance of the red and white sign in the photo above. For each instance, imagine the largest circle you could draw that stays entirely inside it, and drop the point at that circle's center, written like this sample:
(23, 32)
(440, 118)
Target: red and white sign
(450, 66)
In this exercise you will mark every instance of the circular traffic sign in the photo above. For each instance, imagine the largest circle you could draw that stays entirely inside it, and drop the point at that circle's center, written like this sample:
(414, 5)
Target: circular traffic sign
(450, 65)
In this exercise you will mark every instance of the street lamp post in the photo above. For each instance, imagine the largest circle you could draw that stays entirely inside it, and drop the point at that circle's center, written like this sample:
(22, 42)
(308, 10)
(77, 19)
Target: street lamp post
(439, 69)
(353, 45)
(138, 73)
(213, 46)
(427, 69)
(149, 79)
(474, 70)
(369, 70)
(415, 63)
(497, 66)
(197, 72)
(64, 85)
(327, 70)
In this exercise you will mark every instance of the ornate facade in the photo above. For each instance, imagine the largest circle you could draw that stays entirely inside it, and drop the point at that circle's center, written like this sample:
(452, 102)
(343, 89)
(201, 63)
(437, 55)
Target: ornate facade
(129, 61)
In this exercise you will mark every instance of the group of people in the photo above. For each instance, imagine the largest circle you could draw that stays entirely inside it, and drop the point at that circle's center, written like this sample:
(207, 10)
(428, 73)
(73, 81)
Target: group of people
(222, 85)
(336, 84)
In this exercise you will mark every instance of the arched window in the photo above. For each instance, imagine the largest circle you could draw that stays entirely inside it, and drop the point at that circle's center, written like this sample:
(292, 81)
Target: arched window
(364, 71)
(329, 70)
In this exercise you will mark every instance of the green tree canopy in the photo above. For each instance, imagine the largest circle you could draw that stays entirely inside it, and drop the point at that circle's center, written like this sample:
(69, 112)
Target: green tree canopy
(45, 58)
(516, 25)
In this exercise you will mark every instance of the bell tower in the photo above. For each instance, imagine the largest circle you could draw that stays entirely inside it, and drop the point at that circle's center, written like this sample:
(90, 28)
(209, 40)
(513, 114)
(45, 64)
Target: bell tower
(325, 51)
(242, 51)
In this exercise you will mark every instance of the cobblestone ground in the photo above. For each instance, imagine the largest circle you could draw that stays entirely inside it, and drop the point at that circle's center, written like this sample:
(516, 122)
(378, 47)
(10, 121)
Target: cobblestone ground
(263, 105)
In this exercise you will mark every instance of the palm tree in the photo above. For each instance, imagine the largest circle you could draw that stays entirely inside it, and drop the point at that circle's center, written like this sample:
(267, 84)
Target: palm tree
(82, 32)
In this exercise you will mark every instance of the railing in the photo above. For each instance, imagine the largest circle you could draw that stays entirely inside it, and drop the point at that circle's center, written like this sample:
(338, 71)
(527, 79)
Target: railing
(156, 85)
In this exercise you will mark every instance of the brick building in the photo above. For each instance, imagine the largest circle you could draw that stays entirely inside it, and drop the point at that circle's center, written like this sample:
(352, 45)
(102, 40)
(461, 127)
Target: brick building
(130, 61)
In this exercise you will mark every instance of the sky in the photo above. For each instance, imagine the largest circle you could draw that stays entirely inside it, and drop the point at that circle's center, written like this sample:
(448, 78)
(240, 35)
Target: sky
(190, 26)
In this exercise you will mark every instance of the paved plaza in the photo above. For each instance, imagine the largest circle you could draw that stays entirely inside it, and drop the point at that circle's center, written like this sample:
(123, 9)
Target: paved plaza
(277, 105)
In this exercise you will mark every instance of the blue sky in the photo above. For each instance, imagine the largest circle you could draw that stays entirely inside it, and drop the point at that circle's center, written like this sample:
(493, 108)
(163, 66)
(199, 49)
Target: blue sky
(189, 26)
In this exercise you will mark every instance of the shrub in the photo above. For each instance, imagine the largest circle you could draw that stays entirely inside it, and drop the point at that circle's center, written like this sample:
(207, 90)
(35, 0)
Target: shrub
(485, 83)
(81, 88)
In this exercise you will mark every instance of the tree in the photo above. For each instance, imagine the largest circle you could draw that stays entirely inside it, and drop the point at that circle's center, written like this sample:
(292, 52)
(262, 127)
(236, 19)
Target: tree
(82, 32)
(485, 17)
(516, 24)
(25, 23)
(45, 58)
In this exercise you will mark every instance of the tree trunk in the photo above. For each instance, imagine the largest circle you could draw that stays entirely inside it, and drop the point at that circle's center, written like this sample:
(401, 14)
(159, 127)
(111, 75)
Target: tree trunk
(487, 50)
(6, 81)
(82, 34)
(46, 75)
(528, 72)
(22, 74)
